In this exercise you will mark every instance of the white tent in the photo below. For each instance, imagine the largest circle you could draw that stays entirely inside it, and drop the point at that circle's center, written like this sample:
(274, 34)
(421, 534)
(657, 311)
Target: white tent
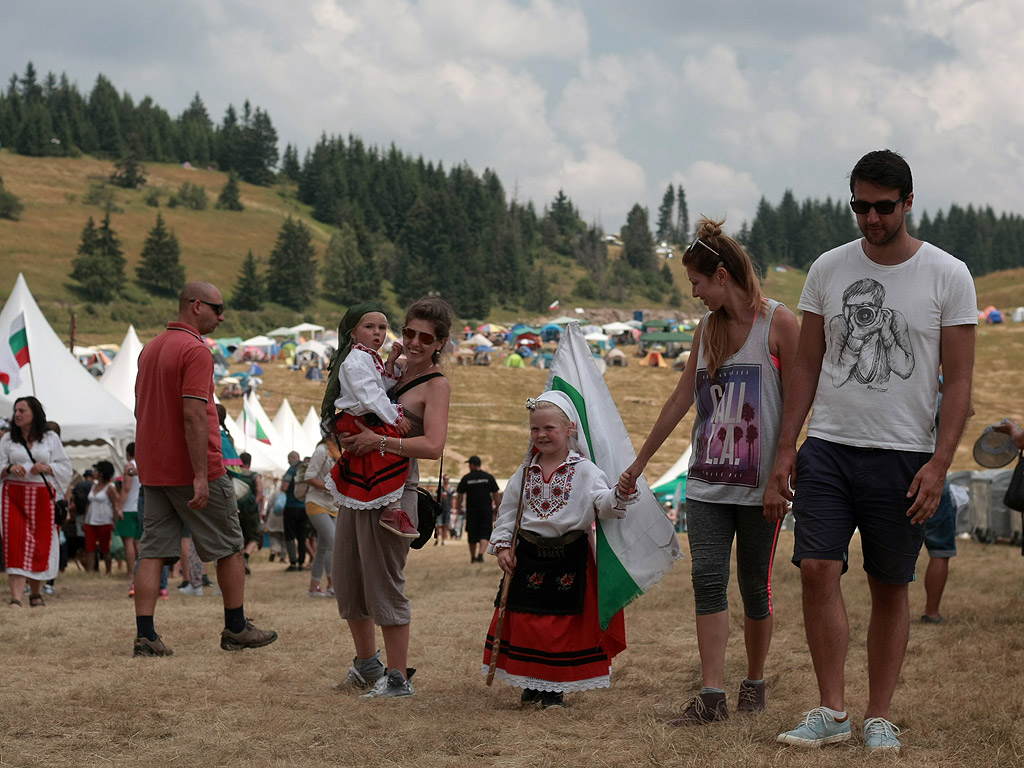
(616, 329)
(256, 433)
(306, 328)
(119, 378)
(291, 431)
(314, 348)
(87, 413)
(264, 460)
(260, 342)
(282, 331)
(311, 425)
(681, 467)
(477, 340)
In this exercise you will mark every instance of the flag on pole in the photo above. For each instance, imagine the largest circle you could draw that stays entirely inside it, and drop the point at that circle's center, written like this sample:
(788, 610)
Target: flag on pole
(553, 306)
(14, 355)
(251, 424)
(635, 552)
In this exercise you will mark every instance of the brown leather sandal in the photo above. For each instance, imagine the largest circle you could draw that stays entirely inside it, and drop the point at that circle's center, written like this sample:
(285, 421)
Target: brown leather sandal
(15, 602)
(36, 601)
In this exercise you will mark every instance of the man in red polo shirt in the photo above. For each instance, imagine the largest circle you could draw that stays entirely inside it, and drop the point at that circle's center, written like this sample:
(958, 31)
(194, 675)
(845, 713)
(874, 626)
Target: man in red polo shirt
(178, 452)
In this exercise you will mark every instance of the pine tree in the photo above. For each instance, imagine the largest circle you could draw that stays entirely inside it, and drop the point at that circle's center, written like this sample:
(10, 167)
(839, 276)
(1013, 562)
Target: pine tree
(340, 275)
(159, 270)
(104, 109)
(665, 210)
(683, 220)
(99, 266)
(638, 244)
(229, 198)
(291, 271)
(250, 288)
(128, 172)
(290, 163)
(10, 206)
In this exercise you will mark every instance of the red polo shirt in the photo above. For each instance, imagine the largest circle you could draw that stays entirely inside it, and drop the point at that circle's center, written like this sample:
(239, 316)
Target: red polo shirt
(174, 365)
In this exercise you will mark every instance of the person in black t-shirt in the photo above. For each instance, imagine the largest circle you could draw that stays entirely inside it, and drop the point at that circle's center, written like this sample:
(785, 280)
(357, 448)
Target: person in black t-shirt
(477, 498)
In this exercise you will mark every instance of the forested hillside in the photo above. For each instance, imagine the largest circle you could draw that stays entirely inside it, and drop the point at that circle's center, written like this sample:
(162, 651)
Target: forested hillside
(118, 203)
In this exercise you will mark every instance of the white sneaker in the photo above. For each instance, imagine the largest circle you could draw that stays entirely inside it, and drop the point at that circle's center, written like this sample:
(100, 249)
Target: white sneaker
(188, 589)
(317, 593)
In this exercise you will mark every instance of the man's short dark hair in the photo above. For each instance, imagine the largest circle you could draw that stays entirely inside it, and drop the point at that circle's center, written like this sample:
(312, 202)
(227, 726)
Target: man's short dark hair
(886, 169)
(245, 458)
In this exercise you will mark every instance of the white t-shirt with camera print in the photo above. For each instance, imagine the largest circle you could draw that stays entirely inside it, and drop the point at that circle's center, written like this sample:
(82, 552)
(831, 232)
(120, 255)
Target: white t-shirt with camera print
(879, 377)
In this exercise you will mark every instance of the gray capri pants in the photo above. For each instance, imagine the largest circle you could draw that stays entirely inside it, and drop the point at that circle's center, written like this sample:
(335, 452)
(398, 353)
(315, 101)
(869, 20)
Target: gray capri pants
(711, 529)
(369, 564)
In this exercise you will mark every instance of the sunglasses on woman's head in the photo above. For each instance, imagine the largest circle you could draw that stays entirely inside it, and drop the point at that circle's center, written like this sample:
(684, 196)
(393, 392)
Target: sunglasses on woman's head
(425, 338)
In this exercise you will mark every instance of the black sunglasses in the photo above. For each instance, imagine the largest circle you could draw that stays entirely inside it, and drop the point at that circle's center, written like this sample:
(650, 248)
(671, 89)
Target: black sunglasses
(425, 338)
(218, 308)
(883, 207)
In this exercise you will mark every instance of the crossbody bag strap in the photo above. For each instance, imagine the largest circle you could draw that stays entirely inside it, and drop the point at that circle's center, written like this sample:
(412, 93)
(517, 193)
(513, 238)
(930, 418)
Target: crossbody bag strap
(53, 496)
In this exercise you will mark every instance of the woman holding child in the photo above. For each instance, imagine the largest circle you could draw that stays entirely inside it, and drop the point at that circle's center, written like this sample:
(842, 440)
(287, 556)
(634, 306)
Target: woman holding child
(369, 558)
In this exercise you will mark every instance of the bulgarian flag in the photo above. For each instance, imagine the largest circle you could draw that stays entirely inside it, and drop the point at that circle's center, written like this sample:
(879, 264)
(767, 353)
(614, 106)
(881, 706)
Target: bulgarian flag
(13, 355)
(635, 552)
(251, 425)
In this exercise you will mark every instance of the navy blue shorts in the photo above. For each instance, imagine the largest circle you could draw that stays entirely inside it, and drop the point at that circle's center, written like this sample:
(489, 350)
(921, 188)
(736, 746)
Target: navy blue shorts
(840, 488)
(940, 528)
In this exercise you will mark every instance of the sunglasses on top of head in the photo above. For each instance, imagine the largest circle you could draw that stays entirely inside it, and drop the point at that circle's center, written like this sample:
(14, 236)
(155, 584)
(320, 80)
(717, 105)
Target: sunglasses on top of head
(883, 207)
(217, 308)
(698, 241)
(425, 338)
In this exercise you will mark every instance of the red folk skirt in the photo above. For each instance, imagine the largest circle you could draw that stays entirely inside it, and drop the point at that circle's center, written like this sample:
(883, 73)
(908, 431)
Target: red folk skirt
(371, 480)
(558, 653)
(29, 529)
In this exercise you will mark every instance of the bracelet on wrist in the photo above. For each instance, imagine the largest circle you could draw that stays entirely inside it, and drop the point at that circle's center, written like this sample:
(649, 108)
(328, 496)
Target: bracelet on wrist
(383, 444)
(399, 446)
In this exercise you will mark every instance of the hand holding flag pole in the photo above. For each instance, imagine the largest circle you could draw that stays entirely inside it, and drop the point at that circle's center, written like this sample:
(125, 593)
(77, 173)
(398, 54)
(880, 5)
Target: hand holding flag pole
(507, 581)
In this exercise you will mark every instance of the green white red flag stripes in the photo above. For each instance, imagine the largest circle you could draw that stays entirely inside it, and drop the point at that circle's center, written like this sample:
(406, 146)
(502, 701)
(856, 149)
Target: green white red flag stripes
(633, 553)
(14, 354)
(252, 427)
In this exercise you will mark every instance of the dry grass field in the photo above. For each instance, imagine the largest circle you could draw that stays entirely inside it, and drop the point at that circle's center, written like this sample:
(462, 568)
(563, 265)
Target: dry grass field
(72, 694)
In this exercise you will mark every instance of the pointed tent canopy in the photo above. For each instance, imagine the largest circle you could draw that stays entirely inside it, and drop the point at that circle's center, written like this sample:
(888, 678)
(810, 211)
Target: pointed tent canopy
(256, 432)
(311, 425)
(295, 438)
(665, 486)
(119, 378)
(85, 411)
(264, 459)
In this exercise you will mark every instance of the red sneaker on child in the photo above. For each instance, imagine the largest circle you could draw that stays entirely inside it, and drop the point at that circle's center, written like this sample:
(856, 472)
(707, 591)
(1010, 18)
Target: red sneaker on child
(398, 522)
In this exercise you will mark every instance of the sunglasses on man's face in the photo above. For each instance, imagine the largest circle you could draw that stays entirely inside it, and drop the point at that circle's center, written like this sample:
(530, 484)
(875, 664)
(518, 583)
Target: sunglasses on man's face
(882, 207)
(425, 338)
(217, 308)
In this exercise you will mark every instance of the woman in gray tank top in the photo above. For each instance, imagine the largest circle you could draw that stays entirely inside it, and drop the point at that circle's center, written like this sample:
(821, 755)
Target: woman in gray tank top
(745, 344)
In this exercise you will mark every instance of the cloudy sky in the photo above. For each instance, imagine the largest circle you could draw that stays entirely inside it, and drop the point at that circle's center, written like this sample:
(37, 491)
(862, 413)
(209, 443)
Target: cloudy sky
(609, 100)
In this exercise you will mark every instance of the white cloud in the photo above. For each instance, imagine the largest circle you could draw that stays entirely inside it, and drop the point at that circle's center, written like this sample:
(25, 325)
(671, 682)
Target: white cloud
(592, 103)
(716, 190)
(716, 75)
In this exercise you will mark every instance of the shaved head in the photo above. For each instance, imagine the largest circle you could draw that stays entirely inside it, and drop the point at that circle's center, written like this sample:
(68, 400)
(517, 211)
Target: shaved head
(198, 290)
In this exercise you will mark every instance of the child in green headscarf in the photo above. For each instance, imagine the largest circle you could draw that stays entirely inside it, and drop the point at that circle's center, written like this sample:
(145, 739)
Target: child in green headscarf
(357, 387)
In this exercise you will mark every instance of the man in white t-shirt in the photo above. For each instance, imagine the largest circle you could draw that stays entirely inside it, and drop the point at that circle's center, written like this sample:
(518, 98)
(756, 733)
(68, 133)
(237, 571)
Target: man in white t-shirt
(879, 315)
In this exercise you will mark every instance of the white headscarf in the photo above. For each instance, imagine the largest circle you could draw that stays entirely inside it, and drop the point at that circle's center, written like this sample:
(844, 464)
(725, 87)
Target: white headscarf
(565, 404)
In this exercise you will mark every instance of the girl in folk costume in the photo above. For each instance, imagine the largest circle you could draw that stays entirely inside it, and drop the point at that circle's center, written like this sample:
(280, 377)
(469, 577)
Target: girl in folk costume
(358, 386)
(744, 348)
(551, 640)
(35, 471)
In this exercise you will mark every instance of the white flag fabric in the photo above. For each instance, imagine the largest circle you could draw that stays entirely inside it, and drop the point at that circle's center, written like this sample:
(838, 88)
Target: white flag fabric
(635, 552)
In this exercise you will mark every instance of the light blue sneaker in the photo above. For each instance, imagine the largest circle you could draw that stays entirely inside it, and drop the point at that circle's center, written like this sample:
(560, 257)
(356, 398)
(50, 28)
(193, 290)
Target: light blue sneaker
(879, 733)
(394, 683)
(818, 727)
